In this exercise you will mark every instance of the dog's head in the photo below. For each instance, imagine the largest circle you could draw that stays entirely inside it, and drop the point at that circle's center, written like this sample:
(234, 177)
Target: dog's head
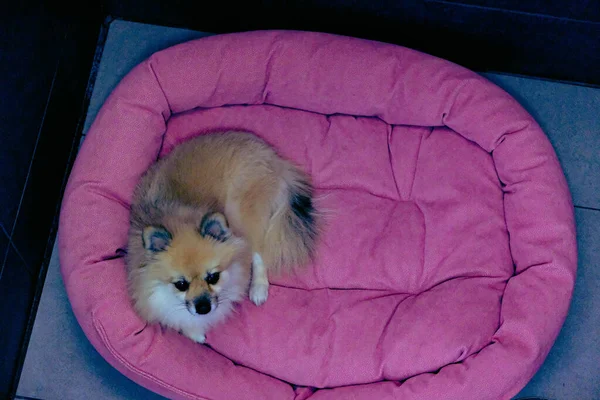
(191, 263)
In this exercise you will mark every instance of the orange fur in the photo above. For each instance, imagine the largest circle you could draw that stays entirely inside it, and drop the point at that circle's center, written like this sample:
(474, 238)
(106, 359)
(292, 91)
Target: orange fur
(267, 208)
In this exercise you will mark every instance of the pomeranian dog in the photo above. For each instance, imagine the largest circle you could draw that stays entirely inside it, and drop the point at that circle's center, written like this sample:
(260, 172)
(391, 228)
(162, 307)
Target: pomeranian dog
(208, 222)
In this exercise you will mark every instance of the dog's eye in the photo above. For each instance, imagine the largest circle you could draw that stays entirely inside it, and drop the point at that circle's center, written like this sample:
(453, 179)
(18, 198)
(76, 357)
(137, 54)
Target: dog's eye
(212, 278)
(182, 285)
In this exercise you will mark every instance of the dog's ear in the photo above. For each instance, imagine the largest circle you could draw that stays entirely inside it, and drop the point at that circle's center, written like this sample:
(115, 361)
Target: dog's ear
(156, 238)
(214, 225)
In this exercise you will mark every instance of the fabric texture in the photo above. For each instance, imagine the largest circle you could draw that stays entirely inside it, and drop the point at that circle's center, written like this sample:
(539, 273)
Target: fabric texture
(448, 257)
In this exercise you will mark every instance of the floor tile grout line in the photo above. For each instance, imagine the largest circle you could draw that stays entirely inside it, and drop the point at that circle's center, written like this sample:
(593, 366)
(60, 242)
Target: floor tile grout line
(12, 244)
(538, 78)
(587, 208)
(518, 12)
(3, 229)
(14, 247)
(3, 257)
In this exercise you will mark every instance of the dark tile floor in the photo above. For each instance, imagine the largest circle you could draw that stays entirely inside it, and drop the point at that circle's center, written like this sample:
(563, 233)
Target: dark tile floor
(33, 42)
(18, 286)
(61, 364)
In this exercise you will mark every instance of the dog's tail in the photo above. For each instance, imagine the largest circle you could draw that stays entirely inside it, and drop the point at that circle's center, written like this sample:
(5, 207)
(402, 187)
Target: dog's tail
(291, 236)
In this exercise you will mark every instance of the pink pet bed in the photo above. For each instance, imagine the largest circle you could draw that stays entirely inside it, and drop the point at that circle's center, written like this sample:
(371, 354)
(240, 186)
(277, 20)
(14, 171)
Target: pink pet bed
(448, 259)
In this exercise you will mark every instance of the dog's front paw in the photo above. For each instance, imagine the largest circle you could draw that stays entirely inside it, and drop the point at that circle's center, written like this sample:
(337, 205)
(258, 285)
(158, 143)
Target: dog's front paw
(198, 337)
(259, 293)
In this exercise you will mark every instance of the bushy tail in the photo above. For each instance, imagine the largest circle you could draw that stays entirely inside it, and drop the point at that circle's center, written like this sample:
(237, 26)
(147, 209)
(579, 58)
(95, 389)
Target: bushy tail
(291, 237)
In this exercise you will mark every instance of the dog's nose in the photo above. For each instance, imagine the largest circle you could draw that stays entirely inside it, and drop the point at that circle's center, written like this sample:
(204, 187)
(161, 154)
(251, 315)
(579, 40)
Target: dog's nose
(202, 305)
